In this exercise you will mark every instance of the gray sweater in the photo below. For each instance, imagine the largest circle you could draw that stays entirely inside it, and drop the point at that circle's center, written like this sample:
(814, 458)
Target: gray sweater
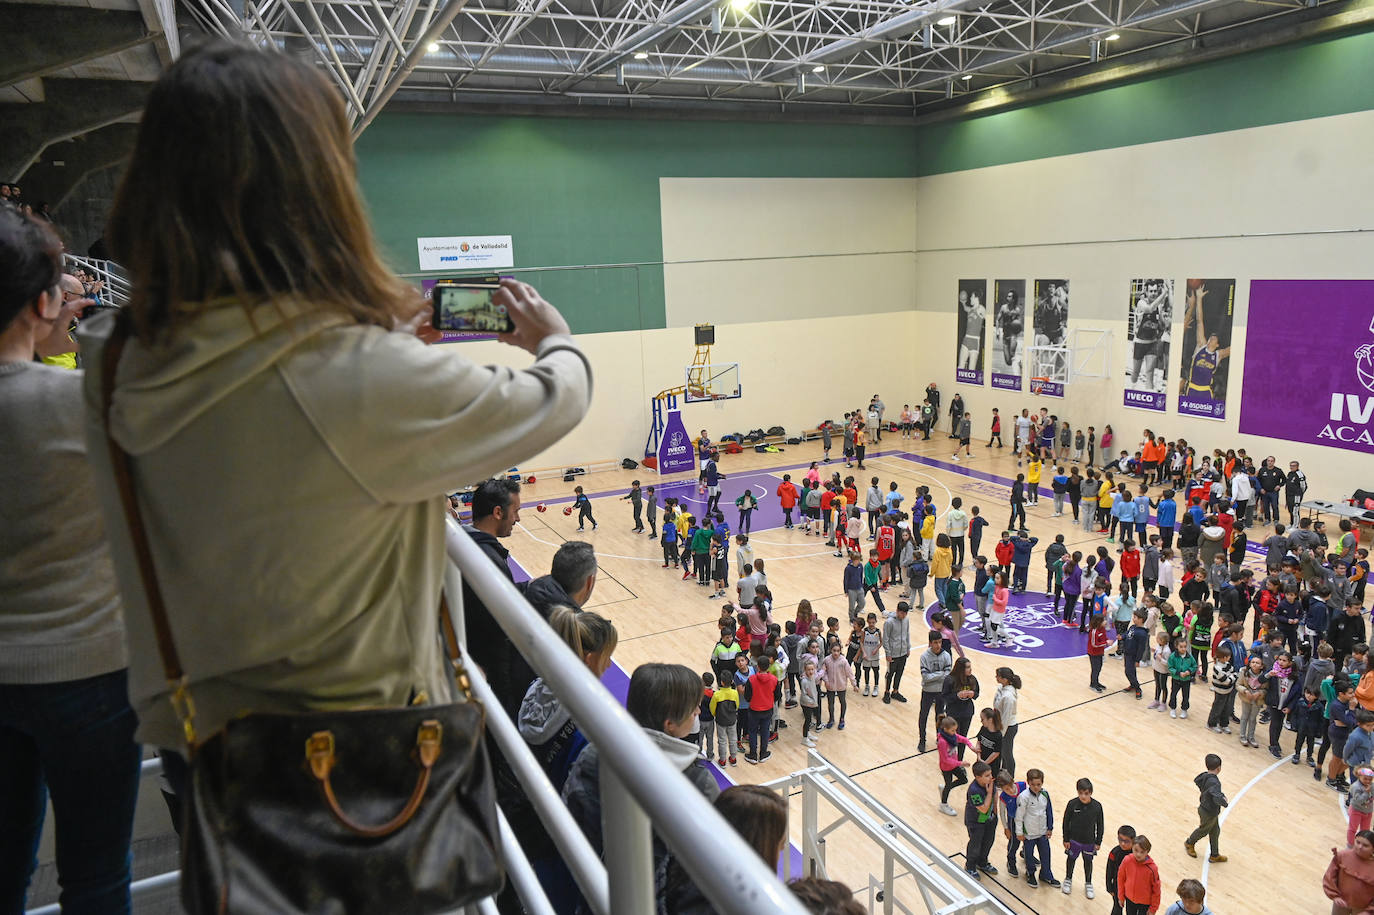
(60, 613)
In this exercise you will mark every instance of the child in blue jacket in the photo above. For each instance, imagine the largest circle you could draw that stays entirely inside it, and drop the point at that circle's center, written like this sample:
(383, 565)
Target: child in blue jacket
(1021, 557)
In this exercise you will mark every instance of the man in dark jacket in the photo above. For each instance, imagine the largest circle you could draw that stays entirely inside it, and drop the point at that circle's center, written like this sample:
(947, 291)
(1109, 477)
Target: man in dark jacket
(495, 510)
(1271, 482)
(1345, 631)
(1210, 801)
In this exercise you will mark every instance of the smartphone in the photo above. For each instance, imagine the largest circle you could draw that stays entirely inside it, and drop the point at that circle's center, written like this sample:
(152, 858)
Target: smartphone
(465, 306)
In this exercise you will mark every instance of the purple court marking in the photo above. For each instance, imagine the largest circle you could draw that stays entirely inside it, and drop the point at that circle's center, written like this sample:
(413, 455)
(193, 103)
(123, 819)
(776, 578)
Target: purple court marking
(1035, 629)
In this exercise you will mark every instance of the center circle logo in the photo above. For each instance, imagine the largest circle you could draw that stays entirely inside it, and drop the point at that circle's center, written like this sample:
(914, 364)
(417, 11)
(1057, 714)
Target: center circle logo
(1032, 626)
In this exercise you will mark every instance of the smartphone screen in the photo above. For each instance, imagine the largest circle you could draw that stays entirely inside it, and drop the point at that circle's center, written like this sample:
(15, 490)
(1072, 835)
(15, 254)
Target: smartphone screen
(467, 308)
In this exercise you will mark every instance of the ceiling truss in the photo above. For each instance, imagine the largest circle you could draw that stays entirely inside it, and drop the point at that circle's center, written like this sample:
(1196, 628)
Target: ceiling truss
(878, 57)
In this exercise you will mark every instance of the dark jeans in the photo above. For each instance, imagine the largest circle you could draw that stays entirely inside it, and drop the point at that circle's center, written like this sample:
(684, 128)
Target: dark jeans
(929, 701)
(956, 548)
(759, 725)
(1038, 848)
(1017, 509)
(895, 666)
(74, 741)
(980, 839)
(830, 703)
(953, 779)
(1095, 668)
(1007, 762)
(1132, 676)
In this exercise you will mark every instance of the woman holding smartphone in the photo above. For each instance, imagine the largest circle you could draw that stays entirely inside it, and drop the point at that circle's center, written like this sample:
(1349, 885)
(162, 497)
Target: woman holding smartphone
(276, 364)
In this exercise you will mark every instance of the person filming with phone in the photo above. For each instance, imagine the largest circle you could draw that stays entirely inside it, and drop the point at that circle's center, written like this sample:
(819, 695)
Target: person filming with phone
(279, 365)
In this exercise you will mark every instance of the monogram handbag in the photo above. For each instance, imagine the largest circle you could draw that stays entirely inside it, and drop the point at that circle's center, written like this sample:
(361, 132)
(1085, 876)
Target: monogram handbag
(388, 810)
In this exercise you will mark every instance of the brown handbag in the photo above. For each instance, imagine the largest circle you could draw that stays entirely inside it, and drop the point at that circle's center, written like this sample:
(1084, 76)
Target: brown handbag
(377, 810)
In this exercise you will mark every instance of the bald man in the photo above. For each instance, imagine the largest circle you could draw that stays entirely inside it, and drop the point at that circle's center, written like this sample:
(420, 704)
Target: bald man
(59, 348)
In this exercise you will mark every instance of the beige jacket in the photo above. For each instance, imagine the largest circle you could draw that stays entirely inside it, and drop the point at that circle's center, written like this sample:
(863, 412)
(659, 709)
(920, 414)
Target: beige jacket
(292, 474)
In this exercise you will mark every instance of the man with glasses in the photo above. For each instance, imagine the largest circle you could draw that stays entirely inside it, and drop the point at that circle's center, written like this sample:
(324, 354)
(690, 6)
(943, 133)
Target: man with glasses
(59, 348)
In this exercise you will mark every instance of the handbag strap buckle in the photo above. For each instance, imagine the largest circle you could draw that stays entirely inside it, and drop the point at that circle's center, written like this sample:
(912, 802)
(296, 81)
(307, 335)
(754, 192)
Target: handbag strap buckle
(185, 708)
(428, 741)
(319, 753)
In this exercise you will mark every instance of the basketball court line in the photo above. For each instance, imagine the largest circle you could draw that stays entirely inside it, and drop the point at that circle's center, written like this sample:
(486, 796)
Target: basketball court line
(1039, 717)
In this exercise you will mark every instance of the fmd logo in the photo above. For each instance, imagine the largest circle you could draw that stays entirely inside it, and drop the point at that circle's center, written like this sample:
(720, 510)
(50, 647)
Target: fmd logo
(449, 257)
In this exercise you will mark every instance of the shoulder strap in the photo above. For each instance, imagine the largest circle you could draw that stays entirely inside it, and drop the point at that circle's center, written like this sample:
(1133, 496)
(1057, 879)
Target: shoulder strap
(133, 515)
(122, 466)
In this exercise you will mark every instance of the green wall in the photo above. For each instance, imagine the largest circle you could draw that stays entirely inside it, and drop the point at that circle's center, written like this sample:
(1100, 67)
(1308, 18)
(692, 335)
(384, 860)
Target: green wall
(575, 191)
(1274, 86)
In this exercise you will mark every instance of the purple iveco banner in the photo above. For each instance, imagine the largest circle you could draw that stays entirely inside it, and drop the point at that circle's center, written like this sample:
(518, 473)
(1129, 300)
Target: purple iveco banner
(675, 450)
(1008, 333)
(1317, 386)
(1209, 309)
(972, 320)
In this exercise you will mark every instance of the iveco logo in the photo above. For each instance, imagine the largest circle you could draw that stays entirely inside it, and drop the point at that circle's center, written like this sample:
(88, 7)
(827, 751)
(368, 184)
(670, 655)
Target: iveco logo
(676, 440)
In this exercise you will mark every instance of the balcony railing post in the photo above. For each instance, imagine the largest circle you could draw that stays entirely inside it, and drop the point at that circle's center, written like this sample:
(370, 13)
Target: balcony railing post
(627, 840)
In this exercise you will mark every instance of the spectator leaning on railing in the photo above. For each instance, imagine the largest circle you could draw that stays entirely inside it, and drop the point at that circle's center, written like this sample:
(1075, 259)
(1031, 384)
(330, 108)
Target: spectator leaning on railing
(276, 371)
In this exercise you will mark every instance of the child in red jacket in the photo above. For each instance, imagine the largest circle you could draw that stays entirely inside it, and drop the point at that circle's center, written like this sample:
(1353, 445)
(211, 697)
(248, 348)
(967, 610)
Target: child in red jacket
(1130, 566)
(1005, 550)
(1097, 649)
(1137, 880)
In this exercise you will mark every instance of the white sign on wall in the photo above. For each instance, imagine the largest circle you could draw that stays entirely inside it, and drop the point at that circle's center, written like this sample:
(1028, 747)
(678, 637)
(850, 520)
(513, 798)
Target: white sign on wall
(466, 252)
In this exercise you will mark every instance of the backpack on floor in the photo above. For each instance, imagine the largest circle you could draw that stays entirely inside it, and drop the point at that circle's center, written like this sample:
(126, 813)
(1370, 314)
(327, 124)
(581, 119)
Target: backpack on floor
(629, 464)
(777, 430)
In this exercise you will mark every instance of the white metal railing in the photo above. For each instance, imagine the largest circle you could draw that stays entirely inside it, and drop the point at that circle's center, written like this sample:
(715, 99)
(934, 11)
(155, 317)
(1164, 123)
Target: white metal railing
(942, 883)
(116, 291)
(641, 791)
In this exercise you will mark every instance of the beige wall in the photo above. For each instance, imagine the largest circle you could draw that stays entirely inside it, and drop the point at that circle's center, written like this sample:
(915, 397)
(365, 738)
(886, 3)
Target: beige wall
(783, 377)
(782, 249)
(1281, 202)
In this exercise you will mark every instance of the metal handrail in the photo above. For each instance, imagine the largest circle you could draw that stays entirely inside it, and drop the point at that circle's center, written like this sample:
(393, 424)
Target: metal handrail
(117, 287)
(730, 873)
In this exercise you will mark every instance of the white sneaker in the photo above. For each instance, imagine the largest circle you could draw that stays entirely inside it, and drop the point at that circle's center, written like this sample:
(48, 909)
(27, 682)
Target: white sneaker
(1088, 890)
(948, 810)
(955, 457)
(1183, 714)
(865, 690)
(1173, 713)
(1066, 886)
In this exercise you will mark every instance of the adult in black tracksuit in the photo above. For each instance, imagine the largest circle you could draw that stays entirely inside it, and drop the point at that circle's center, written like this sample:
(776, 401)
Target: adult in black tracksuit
(1294, 486)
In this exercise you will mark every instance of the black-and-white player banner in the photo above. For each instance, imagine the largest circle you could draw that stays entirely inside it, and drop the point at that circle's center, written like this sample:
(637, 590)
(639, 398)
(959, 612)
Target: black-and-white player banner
(972, 330)
(1050, 368)
(1149, 320)
(1008, 333)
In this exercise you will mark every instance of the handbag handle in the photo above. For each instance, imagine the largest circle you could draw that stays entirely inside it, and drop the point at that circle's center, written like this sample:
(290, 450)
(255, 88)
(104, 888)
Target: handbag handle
(319, 753)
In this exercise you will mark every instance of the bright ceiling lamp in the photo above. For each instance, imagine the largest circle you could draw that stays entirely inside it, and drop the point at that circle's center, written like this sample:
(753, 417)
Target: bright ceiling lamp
(947, 20)
(741, 5)
(819, 68)
(434, 47)
(1113, 37)
(641, 55)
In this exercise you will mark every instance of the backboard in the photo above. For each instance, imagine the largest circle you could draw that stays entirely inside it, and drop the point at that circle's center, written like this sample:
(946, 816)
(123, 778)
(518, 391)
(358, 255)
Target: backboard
(712, 382)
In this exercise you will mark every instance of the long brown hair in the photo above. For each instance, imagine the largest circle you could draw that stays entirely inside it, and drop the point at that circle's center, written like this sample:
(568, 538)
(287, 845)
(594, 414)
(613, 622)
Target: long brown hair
(243, 184)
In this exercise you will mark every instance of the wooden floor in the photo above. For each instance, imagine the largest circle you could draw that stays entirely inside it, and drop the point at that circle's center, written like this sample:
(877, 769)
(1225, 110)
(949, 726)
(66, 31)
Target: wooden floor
(1281, 824)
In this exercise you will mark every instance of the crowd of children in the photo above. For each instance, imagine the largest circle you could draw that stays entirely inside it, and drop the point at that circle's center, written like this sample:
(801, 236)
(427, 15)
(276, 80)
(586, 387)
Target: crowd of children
(1302, 667)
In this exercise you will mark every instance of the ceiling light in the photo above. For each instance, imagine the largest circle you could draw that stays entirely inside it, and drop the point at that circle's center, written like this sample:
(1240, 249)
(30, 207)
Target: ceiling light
(741, 5)
(641, 55)
(1113, 37)
(434, 47)
(819, 68)
(948, 20)
(966, 77)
